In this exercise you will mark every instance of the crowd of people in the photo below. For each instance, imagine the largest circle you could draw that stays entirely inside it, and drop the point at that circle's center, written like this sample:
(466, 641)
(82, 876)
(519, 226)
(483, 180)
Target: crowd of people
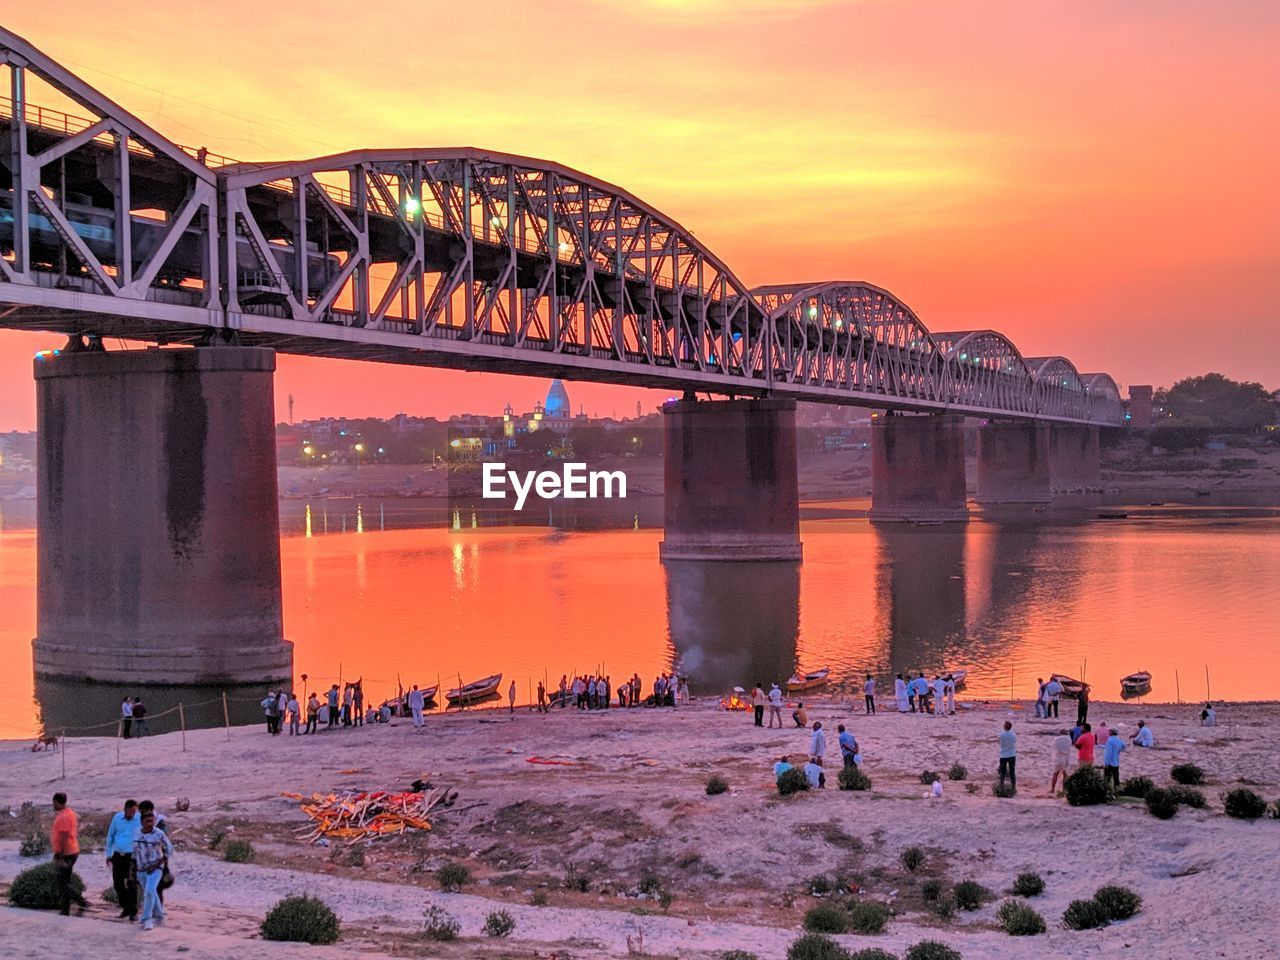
(137, 850)
(340, 706)
(920, 695)
(597, 692)
(133, 718)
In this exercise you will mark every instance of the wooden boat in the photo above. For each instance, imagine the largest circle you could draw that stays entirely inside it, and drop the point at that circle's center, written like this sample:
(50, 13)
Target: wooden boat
(801, 682)
(400, 705)
(1113, 515)
(958, 677)
(1135, 684)
(475, 691)
(1071, 689)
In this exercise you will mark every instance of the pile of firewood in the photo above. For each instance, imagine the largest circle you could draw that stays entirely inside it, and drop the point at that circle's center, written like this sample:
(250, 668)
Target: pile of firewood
(363, 816)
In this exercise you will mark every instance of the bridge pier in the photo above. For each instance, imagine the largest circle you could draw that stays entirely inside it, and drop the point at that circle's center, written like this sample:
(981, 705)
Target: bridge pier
(917, 468)
(158, 557)
(1075, 458)
(1013, 462)
(731, 490)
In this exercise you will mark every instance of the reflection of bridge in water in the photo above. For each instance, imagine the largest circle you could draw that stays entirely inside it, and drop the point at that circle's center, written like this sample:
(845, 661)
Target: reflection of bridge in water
(457, 258)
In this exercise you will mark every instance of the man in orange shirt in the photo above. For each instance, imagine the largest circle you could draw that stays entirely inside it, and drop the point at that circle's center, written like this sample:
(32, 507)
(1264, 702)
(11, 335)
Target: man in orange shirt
(66, 848)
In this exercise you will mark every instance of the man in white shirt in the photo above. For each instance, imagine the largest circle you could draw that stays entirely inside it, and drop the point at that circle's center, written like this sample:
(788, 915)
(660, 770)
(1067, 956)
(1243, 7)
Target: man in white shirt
(775, 706)
(1143, 737)
(939, 697)
(818, 743)
(951, 693)
(757, 704)
(1053, 695)
(815, 775)
(126, 715)
(869, 695)
(416, 703)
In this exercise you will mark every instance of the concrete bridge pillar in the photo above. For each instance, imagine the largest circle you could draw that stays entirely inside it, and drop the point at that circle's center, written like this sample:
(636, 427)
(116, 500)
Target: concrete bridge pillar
(1075, 457)
(158, 558)
(1013, 462)
(917, 468)
(731, 486)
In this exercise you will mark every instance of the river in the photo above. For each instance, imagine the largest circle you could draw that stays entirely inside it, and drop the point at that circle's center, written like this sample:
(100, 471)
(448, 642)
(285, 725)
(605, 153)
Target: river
(410, 592)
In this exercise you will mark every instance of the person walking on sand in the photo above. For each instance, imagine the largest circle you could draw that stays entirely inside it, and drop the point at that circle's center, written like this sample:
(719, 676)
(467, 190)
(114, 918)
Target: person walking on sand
(775, 706)
(1061, 761)
(1009, 756)
(1111, 759)
(542, 697)
(151, 853)
(848, 746)
(126, 718)
(901, 693)
(869, 695)
(1053, 694)
(293, 710)
(1084, 746)
(818, 743)
(416, 704)
(1040, 698)
(757, 703)
(64, 836)
(118, 847)
(268, 705)
(511, 697)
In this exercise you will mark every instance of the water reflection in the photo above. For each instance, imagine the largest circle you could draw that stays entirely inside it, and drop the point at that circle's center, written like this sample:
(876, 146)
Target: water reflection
(920, 574)
(89, 709)
(733, 623)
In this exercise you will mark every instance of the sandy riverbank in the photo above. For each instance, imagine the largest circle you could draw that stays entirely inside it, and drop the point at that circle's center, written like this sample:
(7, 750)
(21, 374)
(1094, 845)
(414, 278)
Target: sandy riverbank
(632, 803)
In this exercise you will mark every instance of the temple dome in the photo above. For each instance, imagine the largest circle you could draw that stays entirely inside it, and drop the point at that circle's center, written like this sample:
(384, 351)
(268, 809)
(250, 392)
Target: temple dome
(557, 404)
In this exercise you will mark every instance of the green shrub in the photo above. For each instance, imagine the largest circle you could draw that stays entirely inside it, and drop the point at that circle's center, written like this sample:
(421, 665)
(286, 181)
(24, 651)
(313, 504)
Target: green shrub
(931, 890)
(913, 858)
(576, 879)
(1019, 919)
(1275, 810)
(820, 885)
(109, 895)
(851, 778)
(34, 844)
(932, 950)
(971, 895)
(1162, 803)
(538, 898)
(439, 924)
(826, 918)
(1187, 796)
(238, 851)
(792, 781)
(1085, 915)
(868, 916)
(1243, 804)
(1085, 788)
(301, 920)
(1137, 787)
(37, 888)
(499, 923)
(717, 785)
(1188, 774)
(1028, 884)
(958, 771)
(1120, 903)
(816, 946)
(872, 953)
(1003, 790)
(944, 908)
(928, 777)
(738, 955)
(452, 877)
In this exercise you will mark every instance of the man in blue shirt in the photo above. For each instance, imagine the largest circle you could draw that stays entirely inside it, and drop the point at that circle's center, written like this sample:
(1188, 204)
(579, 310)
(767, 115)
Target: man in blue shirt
(124, 829)
(1111, 759)
(848, 746)
(781, 767)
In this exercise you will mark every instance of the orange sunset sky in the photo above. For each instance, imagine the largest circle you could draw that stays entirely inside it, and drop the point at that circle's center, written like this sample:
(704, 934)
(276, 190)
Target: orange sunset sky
(1096, 178)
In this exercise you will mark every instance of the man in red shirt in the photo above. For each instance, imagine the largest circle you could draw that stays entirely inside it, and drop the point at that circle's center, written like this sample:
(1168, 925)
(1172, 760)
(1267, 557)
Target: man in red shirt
(66, 848)
(1084, 746)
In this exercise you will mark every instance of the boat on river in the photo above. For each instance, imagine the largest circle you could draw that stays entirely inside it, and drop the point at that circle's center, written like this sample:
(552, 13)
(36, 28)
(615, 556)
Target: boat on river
(1071, 689)
(1135, 684)
(474, 692)
(802, 682)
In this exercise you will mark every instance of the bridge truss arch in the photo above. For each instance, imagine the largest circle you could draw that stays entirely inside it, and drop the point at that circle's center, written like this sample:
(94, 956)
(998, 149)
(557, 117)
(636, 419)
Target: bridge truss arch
(987, 369)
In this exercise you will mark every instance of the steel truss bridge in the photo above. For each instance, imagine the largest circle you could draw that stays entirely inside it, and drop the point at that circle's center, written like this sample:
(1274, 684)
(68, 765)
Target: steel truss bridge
(458, 258)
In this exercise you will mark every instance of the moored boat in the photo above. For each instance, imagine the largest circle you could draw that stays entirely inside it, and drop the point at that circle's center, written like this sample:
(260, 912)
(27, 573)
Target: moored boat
(475, 691)
(958, 677)
(1071, 689)
(801, 682)
(1135, 684)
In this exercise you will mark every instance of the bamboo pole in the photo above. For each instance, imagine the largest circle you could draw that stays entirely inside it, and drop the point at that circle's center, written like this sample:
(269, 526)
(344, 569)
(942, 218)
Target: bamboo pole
(182, 725)
(1207, 695)
(1177, 682)
(64, 753)
(226, 715)
(119, 737)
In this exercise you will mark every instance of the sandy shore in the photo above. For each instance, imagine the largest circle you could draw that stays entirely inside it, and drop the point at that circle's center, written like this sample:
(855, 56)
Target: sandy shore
(631, 802)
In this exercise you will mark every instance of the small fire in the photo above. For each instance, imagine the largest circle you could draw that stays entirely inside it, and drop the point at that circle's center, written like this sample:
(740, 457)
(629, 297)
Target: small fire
(734, 702)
